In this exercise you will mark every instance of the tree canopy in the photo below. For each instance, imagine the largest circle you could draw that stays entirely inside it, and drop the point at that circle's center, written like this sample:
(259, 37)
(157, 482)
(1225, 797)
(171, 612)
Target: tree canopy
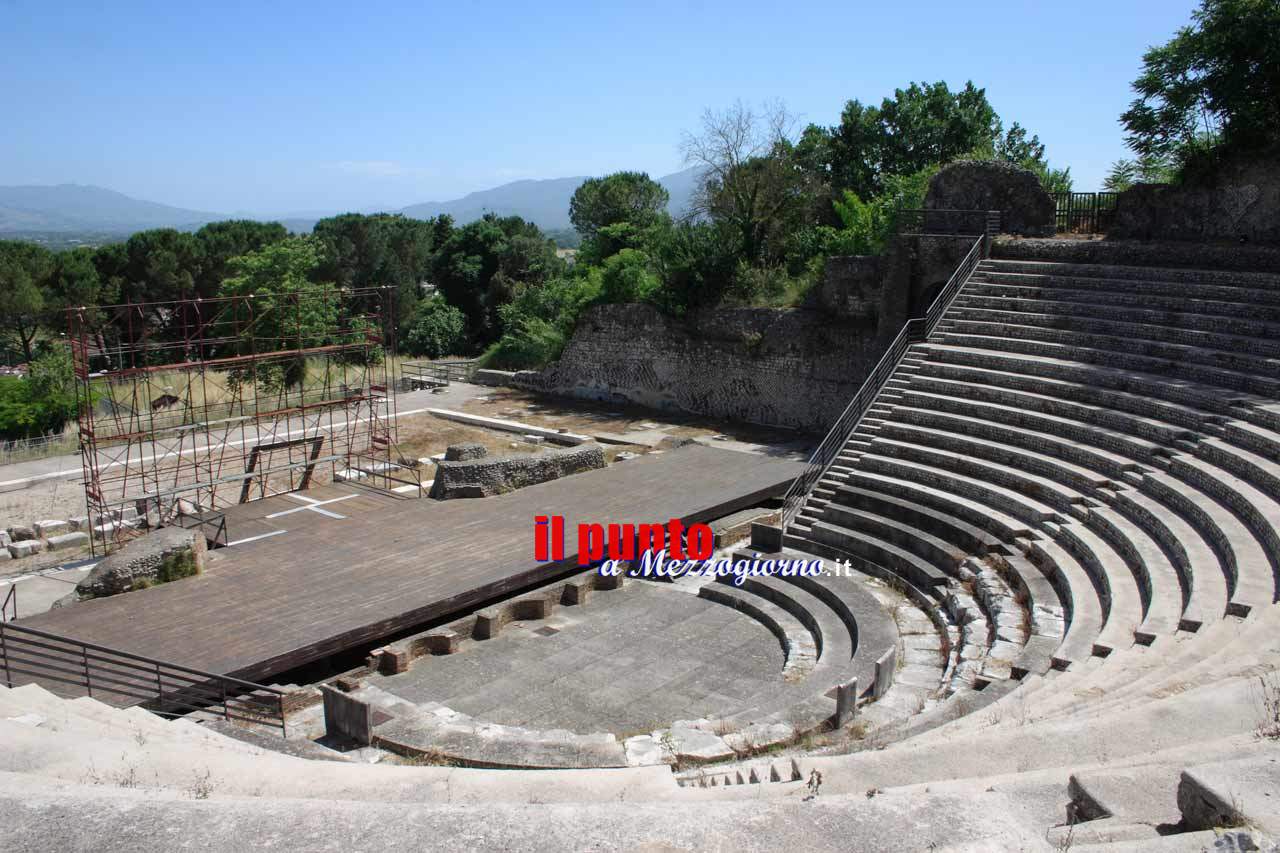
(1213, 87)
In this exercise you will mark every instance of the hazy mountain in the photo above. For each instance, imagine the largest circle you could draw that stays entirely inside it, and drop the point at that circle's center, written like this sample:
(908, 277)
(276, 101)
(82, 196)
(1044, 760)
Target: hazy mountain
(74, 207)
(543, 202)
(92, 212)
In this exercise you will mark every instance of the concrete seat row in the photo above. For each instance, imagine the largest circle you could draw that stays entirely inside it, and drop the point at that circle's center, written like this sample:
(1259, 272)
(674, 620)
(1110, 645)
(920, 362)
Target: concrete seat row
(1230, 303)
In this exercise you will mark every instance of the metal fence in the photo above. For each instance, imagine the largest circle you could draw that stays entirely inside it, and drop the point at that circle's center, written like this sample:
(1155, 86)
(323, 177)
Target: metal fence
(1084, 213)
(72, 667)
(437, 374)
(967, 223)
(914, 331)
(26, 449)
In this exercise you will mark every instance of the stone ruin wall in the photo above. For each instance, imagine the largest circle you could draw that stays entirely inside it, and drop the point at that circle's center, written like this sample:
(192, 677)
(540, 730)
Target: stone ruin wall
(795, 368)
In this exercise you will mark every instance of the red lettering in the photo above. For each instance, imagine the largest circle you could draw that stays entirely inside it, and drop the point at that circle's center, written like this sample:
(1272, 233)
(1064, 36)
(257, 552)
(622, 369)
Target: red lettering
(557, 537)
(675, 534)
(541, 537)
(622, 542)
(701, 542)
(651, 537)
(590, 544)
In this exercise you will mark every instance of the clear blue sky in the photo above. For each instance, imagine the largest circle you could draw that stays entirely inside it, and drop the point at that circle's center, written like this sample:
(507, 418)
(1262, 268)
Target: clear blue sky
(276, 107)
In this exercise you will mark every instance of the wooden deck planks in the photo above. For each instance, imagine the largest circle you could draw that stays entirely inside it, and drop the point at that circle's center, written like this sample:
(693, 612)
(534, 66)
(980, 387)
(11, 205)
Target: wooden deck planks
(328, 584)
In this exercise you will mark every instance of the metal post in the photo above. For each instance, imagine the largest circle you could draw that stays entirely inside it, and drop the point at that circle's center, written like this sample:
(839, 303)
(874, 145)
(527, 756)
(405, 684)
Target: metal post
(4, 657)
(159, 690)
(88, 679)
(226, 712)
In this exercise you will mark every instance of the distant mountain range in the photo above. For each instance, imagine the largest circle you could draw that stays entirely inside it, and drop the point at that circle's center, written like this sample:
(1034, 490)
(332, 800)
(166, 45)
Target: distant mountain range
(73, 208)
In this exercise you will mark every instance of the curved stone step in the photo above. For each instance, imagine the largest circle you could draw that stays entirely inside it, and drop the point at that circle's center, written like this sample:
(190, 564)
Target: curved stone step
(1082, 601)
(1122, 602)
(1067, 355)
(1178, 402)
(916, 570)
(1212, 331)
(1003, 527)
(1159, 584)
(1249, 580)
(1202, 572)
(1001, 284)
(973, 420)
(1247, 356)
(1025, 509)
(1259, 511)
(1249, 286)
(937, 551)
(1004, 476)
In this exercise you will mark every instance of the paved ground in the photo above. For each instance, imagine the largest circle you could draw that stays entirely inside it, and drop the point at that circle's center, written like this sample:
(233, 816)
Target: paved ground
(37, 591)
(630, 661)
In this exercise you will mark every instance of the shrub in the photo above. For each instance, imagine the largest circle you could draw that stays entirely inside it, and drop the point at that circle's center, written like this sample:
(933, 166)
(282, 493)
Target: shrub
(438, 329)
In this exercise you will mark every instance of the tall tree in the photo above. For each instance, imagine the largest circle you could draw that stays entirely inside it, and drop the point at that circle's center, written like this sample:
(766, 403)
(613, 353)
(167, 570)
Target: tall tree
(1216, 82)
(631, 197)
(751, 179)
(222, 241)
(26, 272)
(920, 126)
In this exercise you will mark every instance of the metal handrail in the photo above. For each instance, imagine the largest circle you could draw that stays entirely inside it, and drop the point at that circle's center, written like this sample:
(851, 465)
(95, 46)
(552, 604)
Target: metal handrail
(913, 331)
(10, 603)
(141, 679)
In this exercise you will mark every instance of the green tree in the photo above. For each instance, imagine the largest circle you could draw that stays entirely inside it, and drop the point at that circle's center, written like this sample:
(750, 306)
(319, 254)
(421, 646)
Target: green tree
(290, 311)
(920, 126)
(221, 241)
(631, 197)
(43, 401)
(26, 273)
(480, 266)
(1215, 84)
(438, 329)
(627, 277)
(751, 180)
(381, 250)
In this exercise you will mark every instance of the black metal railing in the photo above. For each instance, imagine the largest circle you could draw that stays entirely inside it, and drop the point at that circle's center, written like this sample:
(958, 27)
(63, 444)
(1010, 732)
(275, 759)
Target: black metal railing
(914, 331)
(437, 374)
(1084, 213)
(961, 223)
(9, 609)
(72, 667)
(211, 523)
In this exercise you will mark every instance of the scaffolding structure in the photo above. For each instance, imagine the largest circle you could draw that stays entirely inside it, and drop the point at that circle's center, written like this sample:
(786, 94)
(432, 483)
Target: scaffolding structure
(189, 406)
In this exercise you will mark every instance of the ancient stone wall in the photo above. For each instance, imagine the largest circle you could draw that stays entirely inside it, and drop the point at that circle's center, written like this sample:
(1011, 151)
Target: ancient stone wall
(793, 368)
(149, 559)
(1024, 205)
(494, 475)
(1239, 202)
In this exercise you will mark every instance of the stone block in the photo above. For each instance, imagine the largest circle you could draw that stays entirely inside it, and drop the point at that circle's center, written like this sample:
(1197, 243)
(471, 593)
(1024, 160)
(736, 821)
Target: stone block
(489, 476)
(465, 451)
(846, 702)
(79, 522)
(577, 591)
(1016, 192)
(766, 537)
(21, 533)
(4, 554)
(25, 548)
(45, 529)
(489, 623)
(145, 558)
(347, 716)
(394, 659)
(67, 540)
(440, 641)
(532, 608)
(5, 538)
(609, 582)
(886, 665)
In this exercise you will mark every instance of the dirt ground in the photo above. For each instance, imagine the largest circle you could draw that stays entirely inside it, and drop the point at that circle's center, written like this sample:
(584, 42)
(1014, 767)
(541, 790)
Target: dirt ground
(588, 417)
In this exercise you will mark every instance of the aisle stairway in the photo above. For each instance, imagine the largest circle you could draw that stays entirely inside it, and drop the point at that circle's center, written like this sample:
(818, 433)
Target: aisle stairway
(1116, 427)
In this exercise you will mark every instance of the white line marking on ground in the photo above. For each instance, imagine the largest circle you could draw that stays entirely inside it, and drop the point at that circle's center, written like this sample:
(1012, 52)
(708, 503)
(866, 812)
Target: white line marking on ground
(255, 538)
(313, 505)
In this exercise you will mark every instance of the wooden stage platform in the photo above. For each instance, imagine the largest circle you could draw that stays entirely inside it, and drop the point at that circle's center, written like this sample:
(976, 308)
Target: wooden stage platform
(323, 571)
